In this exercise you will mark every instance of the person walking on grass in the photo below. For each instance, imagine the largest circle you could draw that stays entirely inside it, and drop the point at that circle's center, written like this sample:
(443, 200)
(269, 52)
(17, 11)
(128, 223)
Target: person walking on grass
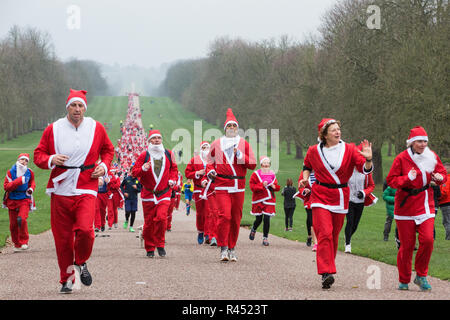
(288, 193)
(411, 174)
(389, 198)
(70, 148)
(130, 187)
(19, 186)
(157, 171)
(263, 184)
(332, 161)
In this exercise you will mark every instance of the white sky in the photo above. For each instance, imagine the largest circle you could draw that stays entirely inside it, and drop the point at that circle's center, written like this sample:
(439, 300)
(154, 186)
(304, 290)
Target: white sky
(148, 33)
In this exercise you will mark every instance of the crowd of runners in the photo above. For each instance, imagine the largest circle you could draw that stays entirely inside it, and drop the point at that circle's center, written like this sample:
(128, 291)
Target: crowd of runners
(86, 189)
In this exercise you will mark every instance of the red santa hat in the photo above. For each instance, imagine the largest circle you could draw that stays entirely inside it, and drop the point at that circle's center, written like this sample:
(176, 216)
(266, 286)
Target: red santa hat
(230, 118)
(263, 158)
(154, 133)
(77, 95)
(24, 156)
(204, 143)
(416, 133)
(324, 122)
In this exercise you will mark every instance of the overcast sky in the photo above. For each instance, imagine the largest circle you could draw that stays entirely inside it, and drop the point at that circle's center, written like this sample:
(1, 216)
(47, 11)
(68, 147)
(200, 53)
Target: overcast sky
(151, 32)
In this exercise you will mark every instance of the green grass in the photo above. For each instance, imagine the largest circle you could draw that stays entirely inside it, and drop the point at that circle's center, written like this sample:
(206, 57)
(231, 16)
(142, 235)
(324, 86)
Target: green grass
(168, 117)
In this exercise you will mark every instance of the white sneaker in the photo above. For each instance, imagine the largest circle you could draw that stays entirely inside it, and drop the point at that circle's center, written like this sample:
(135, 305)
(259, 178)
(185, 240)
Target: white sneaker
(224, 255)
(232, 255)
(348, 248)
(24, 247)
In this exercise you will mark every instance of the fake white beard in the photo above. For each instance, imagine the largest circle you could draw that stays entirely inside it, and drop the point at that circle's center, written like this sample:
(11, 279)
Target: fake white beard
(21, 169)
(231, 133)
(229, 142)
(156, 150)
(426, 160)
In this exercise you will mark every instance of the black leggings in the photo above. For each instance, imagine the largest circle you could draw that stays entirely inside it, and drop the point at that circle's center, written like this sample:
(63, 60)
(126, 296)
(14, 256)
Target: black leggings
(132, 214)
(353, 216)
(288, 219)
(266, 225)
(308, 221)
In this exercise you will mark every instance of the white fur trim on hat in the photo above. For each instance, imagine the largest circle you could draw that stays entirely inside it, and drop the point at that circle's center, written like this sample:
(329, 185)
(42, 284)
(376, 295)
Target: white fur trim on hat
(76, 99)
(24, 157)
(155, 135)
(409, 141)
(263, 159)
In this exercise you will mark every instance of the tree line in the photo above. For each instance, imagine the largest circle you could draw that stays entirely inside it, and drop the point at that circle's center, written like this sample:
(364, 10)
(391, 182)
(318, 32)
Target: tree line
(379, 82)
(34, 83)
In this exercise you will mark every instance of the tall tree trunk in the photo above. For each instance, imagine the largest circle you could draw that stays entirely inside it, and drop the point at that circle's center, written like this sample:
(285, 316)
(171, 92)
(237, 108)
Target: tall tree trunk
(298, 151)
(389, 153)
(377, 166)
(288, 146)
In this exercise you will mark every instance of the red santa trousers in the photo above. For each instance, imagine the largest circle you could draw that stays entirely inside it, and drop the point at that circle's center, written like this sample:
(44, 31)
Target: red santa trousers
(18, 209)
(229, 217)
(169, 213)
(327, 226)
(100, 210)
(201, 210)
(211, 218)
(155, 222)
(113, 209)
(71, 220)
(177, 201)
(407, 234)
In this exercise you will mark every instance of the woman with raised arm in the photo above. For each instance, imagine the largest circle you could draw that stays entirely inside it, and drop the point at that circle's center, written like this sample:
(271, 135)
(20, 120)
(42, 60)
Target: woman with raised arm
(332, 161)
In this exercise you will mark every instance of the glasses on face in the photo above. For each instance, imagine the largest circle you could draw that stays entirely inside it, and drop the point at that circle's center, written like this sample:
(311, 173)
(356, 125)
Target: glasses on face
(231, 125)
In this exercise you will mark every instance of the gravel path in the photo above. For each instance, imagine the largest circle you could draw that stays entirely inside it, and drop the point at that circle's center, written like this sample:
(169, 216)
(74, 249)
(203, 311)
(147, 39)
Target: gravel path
(120, 270)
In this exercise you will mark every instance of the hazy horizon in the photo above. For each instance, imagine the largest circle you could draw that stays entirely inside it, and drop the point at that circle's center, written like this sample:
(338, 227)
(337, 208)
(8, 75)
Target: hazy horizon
(152, 33)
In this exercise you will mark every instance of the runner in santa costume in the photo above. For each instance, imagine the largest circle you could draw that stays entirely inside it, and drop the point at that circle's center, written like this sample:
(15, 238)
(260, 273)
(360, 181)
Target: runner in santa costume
(196, 170)
(157, 171)
(264, 184)
(19, 186)
(101, 204)
(228, 161)
(304, 194)
(176, 188)
(361, 188)
(209, 194)
(178, 192)
(414, 211)
(70, 148)
(332, 161)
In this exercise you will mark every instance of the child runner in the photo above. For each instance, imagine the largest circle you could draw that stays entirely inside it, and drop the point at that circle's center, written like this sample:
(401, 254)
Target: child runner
(263, 184)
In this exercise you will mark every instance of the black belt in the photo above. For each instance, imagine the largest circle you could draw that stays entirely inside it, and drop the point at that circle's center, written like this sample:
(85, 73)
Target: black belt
(230, 177)
(82, 167)
(158, 193)
(412, 192)
(331, 186)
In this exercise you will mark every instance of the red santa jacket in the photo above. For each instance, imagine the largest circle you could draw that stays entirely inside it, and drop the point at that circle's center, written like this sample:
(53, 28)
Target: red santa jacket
(228, 168)
(155, 188)
(333, 199)
(417, 207)
(369, 185)
(194, 165)
(54, 141)
(10, 185)
(263, 194)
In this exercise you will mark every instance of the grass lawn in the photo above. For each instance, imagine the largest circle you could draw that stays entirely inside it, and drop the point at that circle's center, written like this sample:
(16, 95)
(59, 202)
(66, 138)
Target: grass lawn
(168, 117)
